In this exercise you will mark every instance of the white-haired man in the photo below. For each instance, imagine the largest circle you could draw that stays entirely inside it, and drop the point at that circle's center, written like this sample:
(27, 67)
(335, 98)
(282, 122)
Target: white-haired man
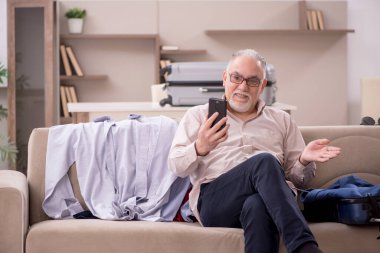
(244, 175)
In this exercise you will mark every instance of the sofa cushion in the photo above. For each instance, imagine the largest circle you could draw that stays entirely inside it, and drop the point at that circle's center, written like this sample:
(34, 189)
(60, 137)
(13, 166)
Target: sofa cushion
(360, 145)
(337, 237)
(360, 153)
(13, 211)
(62, 236)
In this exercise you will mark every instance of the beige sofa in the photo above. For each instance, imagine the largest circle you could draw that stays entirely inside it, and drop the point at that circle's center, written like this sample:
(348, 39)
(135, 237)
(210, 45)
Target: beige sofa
(25, 227)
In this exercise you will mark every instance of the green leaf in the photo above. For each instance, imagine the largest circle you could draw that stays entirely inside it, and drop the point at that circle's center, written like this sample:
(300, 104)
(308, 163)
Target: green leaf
(3, 73)
(8, 151)
(3, 112)
(75, 13)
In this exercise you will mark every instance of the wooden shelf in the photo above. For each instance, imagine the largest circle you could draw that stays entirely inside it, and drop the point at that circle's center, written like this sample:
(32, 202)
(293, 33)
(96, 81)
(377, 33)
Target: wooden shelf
(281, 32)
(109, 36)
(183, 51)
(65, 120)
(302, 29)
(83, 78)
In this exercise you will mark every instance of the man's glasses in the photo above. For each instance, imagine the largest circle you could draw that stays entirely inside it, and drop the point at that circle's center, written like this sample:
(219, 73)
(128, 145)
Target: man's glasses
(251, 82)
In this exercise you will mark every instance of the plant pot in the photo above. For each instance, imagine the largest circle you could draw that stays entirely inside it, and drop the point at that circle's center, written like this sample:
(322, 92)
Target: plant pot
(75, 25)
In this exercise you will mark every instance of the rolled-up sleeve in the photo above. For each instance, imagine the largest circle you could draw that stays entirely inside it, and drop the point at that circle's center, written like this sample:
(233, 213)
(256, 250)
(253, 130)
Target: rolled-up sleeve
(294, 145)
(183, 159)
(301, 175)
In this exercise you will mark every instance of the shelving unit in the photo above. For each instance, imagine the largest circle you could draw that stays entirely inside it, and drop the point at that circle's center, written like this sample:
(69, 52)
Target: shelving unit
(128, 55)
(99, 77)
(108, 36)
(280, 32)
(303, 21)
(302, 30)
(84, 38)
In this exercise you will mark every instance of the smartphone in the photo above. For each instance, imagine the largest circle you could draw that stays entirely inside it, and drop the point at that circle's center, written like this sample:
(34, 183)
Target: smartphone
(217, 105)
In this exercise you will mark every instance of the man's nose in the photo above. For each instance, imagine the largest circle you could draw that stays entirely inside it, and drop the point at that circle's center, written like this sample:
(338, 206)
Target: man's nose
(243, 85)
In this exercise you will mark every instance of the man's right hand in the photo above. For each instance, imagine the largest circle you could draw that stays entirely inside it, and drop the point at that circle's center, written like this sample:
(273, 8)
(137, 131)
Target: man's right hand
(209, 137)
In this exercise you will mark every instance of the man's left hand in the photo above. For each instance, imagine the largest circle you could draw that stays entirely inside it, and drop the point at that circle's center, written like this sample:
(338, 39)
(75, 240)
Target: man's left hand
(319, 151)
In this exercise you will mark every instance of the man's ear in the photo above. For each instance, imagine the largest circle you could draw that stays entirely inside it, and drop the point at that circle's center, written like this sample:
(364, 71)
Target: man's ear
(265, 81)
(224, 77)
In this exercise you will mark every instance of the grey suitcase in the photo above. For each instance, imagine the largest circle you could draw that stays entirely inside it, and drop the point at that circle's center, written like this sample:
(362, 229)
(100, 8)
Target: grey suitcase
(189, 94)
(193, 83)
(182, 72)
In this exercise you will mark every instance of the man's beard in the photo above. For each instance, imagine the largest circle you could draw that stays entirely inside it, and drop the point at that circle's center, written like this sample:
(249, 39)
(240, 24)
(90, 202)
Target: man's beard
(240, 107)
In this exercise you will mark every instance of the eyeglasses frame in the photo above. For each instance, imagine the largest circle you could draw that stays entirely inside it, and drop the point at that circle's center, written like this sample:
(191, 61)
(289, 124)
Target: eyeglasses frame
(245, 79)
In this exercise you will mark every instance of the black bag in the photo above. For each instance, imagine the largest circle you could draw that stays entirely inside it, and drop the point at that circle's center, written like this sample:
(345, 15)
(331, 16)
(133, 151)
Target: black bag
(358, 211)
(350, 200)
(352, 211)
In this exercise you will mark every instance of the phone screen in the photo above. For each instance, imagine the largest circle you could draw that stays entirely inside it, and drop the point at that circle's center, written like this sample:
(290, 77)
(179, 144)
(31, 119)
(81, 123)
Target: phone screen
(217, 105)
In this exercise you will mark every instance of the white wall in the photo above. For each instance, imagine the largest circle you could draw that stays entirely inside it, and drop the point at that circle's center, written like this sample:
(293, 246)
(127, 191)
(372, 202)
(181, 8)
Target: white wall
(130, 64)
(363, 50)
(306, 64)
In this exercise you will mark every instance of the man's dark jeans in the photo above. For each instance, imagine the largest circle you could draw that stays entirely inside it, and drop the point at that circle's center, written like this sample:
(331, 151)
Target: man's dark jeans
(255, 196)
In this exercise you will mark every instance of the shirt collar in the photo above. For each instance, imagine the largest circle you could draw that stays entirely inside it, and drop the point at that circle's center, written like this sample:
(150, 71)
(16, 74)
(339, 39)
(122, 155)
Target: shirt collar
(260, 106)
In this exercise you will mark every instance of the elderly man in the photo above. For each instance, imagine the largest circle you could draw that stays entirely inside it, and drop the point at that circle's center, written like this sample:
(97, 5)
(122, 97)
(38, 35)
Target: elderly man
(245, 174)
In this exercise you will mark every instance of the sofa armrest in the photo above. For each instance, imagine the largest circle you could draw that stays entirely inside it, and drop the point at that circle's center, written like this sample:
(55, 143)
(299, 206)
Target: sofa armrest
(13, 211)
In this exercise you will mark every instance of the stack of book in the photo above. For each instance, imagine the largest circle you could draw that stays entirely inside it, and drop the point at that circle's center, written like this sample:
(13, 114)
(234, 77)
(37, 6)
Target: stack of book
(70, 61)
(68, 95)
(315, 20)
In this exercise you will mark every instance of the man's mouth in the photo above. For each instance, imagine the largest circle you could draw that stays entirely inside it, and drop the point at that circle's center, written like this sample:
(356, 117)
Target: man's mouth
(241, 97)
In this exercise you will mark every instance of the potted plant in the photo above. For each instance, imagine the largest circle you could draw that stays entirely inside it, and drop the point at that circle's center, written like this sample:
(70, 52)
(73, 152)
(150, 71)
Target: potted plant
(8, 151)
(75, 18)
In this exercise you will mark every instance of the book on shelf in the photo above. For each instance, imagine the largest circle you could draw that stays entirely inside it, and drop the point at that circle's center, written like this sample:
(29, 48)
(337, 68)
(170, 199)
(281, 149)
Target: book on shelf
(309, 20)
(65, 60)
(321, 22)
(74, 61)
(63, 96)
(68, 95)
(73, 93)
(315, 21)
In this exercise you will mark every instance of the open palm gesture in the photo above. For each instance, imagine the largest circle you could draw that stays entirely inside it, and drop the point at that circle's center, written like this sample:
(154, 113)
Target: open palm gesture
(319, 151)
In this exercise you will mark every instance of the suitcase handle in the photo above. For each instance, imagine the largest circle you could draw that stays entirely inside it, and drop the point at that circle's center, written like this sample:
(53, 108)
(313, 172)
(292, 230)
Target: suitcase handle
(206, 90)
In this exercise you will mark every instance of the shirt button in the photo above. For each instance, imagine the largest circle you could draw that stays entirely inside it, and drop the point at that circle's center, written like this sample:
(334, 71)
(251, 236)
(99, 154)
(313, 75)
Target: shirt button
(244, 139)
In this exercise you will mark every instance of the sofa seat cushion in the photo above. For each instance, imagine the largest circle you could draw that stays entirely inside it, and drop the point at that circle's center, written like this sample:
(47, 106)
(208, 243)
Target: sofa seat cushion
(337, 237)
(62, 236)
